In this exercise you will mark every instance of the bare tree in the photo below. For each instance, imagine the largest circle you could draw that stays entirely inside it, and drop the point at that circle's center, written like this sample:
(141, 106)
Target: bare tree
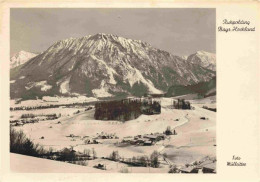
(94, 153)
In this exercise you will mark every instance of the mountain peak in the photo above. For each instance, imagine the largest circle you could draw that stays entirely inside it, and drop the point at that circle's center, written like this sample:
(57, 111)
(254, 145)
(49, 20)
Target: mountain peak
(204, 59)
(20, 58)
(100, 42)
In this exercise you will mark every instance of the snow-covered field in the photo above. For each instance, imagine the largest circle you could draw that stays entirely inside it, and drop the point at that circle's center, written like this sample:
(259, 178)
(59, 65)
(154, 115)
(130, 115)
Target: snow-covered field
(195, 138)
(47, 100)
(28, 164)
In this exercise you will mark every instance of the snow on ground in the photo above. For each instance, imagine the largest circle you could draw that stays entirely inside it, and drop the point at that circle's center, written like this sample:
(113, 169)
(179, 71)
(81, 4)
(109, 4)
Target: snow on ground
(47, 100)
(135, 75)
(102, 91)
(110, 71)
(21, 77)
(195, 138)
(68, 100)
(42, 85)
(64, 86)
(28, 164)
(64, 112)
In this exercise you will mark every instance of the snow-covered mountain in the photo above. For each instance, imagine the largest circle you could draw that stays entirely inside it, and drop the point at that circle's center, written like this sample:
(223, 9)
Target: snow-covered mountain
(204, 59)
(103, 65)
(21, 58)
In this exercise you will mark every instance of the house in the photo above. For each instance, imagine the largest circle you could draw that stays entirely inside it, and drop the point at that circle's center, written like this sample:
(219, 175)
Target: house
(128, 139)
(209, 168)
(100, 166)
(150, 137)
(103, 137)
(190, 169)
(133, 142)
(95, 141)
(148, 143)
(141, 141)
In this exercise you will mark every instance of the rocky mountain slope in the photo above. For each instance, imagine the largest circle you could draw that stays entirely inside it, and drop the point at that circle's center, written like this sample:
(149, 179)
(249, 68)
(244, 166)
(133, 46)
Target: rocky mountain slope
(204, 59)
(103, 65)
(21, 58)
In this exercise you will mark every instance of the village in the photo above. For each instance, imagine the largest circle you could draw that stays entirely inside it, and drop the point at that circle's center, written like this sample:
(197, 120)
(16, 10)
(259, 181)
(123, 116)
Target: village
(144, 134)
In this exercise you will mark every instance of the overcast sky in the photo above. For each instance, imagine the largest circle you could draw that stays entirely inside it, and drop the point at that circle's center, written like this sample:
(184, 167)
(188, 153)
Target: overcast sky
(178, 31)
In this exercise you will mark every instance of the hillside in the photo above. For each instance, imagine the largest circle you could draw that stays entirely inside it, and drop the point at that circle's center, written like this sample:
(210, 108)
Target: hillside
(39, 165)
(202, 89)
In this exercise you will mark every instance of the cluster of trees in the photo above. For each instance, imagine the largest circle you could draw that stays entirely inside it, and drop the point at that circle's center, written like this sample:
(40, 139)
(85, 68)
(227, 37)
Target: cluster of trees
(126, 109)
(169, 131)
(50, 106)
(155, 159)
(140, 161)
(33, 107)
(20, 144)
(145, 161)
(123, 110)
(151, 107)
(71, 155)
(114, 156)
(181, 104)
(88, 153)
(28, 116)
(32, 118)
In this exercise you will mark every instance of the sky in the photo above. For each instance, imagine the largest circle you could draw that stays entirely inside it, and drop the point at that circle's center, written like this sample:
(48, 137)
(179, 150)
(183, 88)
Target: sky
(180, 31)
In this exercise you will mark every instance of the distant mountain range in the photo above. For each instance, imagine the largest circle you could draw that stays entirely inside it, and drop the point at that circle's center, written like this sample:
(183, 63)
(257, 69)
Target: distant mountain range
(105, 65)
(21, 58)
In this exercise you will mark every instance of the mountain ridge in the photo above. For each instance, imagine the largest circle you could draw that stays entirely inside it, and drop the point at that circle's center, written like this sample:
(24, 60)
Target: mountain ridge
(103, 65)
